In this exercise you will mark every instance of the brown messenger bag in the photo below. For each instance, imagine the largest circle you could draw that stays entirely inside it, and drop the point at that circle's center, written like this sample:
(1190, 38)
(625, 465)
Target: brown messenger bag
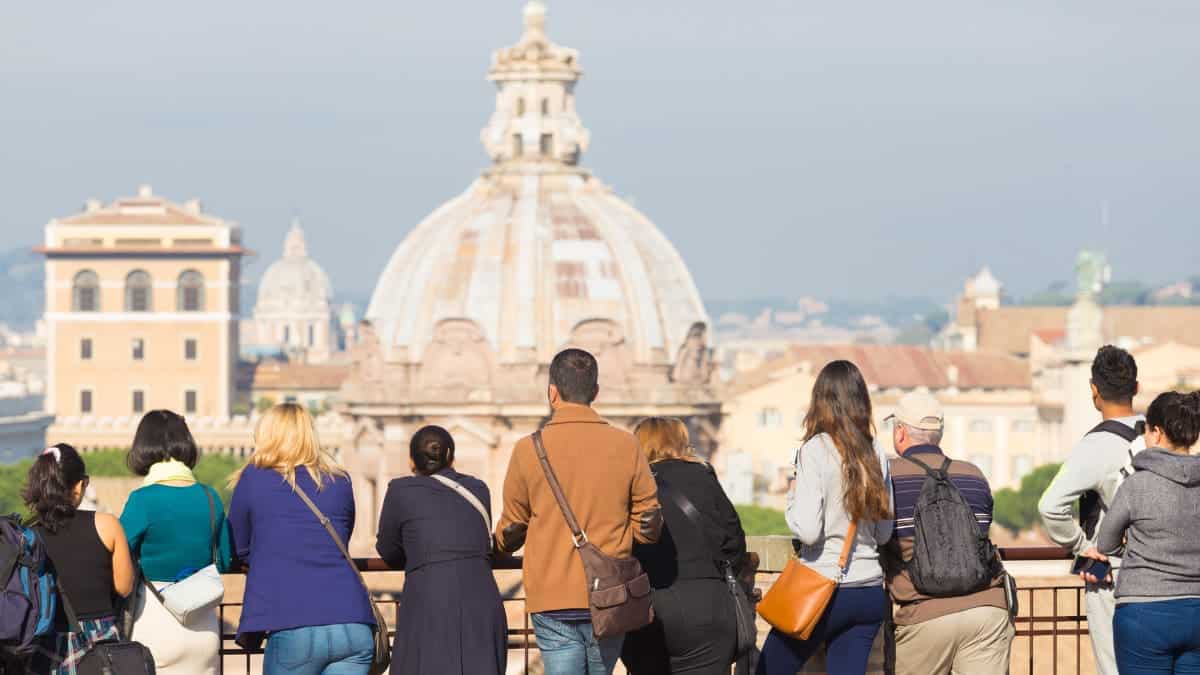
(796, 602)
(618, 589)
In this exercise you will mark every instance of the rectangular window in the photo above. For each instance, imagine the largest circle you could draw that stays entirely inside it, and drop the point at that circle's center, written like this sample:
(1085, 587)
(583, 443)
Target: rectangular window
(769, 418)
(189, 401)
(189, 349)
(85, 401)
(139, 349)
(139, 401)
(85, 349)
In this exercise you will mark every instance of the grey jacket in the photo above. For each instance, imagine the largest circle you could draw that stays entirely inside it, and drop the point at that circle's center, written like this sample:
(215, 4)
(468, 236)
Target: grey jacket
(816, 516)
(1156, 517)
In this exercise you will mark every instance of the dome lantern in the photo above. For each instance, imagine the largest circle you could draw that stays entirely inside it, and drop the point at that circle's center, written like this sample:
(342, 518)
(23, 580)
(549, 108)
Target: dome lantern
(535, 121)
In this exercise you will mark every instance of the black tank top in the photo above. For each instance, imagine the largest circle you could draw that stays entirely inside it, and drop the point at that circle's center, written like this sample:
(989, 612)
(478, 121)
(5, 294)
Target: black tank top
(83, 565)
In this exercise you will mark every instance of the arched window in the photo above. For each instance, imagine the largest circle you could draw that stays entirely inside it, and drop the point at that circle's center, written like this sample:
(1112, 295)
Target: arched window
(190, 292)
(138, 290)
(85, 292)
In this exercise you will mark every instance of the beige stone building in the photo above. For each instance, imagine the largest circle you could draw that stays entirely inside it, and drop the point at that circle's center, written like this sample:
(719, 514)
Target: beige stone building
(536, 255)
(141, 310)
(993, 417)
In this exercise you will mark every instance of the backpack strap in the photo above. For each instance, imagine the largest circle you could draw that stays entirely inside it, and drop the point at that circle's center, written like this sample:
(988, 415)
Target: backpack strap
(942, 473)
(1120, 429)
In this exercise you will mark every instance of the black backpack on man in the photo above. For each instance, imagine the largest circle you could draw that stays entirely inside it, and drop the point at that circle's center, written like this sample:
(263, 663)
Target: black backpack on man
(951, 555)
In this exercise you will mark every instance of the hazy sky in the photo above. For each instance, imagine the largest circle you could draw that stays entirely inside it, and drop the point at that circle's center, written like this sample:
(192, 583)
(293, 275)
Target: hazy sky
(785, 147)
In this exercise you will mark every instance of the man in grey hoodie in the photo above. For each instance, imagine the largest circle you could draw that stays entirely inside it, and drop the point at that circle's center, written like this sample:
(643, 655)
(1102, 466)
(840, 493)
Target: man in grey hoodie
(1089, 469)
(1155, 519)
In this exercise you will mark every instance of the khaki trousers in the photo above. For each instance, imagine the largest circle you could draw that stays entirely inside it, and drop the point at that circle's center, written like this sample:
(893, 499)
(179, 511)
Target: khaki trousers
(975, 641)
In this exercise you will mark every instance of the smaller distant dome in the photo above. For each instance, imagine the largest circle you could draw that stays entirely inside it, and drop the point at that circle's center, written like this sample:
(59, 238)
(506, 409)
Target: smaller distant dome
(295, 285)
(984, 284)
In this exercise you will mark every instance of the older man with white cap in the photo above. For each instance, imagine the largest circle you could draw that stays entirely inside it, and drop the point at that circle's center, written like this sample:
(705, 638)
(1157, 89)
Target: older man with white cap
(970, 631)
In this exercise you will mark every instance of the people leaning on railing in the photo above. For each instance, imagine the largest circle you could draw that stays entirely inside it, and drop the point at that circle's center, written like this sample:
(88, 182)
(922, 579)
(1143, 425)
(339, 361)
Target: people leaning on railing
(436, 526)
(176, 527)
(1155, 521)
(89, 554)
(694, 629)
(606, 483)
(301, 593)
(839, 507)
(1074, 504)
(953, 601)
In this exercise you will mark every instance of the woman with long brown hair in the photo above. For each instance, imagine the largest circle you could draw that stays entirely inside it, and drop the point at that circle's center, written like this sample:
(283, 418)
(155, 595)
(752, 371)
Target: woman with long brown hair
(841, 478)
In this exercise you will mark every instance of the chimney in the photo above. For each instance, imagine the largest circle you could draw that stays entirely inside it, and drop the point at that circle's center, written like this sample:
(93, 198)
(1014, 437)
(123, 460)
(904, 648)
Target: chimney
(91, 205)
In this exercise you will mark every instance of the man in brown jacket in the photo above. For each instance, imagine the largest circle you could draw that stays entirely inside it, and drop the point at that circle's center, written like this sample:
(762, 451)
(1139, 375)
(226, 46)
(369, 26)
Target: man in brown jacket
(608, 484)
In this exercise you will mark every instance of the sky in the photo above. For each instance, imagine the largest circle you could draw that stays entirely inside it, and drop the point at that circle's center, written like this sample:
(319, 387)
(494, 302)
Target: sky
(787, 148)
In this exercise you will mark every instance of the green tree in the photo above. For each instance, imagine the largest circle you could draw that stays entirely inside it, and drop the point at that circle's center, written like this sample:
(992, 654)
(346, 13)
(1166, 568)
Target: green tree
(1016, 510)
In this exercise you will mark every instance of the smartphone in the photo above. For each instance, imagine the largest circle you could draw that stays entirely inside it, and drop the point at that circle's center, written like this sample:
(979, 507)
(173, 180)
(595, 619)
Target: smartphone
(1096, 568)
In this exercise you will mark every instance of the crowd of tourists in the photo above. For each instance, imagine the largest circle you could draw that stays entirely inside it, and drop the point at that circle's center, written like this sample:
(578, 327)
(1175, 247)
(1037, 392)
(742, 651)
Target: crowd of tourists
(632, 550)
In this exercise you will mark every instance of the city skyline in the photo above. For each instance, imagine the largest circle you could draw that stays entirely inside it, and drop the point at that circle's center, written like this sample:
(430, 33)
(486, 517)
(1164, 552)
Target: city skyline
(776, 126)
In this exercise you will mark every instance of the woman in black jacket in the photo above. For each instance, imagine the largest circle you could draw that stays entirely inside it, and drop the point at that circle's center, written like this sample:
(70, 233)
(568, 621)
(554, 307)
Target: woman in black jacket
(694, 630)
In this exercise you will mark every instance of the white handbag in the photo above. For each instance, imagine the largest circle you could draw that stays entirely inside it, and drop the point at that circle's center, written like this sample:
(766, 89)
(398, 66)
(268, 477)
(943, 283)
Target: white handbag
(200, 591)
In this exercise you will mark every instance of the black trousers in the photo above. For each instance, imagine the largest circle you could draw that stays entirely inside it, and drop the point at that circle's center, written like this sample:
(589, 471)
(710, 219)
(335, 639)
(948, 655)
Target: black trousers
(694, 631)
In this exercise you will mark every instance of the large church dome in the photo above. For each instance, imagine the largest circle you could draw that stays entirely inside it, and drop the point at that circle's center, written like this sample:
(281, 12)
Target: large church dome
(537, 254)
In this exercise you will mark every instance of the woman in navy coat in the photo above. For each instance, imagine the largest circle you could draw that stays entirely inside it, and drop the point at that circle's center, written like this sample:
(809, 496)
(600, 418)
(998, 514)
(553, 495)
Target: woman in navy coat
(451, 615)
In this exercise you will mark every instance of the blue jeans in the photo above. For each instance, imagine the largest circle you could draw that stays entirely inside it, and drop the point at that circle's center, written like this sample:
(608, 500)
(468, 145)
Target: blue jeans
(1158, 637)
(570, 647)
(847, 630)
(339, 649)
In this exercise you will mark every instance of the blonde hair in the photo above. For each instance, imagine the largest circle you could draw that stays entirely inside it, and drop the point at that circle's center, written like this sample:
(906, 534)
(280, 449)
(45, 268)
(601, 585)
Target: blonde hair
(664, 438)
(285, 440)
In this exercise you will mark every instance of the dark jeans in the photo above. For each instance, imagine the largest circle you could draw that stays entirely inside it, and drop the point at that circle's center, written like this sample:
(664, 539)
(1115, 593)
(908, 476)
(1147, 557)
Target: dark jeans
(847, 631)
(1158, 637)
(693, 632)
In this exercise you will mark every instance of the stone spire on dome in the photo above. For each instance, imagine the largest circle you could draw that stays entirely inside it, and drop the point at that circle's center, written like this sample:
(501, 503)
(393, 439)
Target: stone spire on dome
(294, 246)
(535, 122)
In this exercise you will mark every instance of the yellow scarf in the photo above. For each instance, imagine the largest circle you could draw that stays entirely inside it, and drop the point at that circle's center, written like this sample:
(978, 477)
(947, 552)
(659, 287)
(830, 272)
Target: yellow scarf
(168, 471)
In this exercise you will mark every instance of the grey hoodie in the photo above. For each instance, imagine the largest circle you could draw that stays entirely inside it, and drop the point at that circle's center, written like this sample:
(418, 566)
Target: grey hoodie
(1156, 515)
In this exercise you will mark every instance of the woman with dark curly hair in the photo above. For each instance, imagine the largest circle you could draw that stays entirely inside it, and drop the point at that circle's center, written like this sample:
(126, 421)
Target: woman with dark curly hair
(89, 553)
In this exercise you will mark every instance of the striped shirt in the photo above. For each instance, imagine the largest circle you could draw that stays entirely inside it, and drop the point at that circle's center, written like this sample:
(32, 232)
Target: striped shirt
(907, 480)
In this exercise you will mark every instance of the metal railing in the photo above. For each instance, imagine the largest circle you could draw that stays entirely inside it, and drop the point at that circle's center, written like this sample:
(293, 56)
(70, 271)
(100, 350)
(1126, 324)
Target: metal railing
(1051, 626)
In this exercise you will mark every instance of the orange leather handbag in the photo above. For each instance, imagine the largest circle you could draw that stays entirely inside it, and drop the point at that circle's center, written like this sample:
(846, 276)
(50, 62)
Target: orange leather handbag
(797, 600)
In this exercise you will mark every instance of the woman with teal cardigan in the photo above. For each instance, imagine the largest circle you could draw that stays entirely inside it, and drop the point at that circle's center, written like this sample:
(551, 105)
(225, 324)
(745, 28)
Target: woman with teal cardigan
(172, 522)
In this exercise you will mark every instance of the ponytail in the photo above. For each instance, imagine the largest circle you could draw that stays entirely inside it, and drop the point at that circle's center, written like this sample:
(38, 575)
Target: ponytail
(49, 489)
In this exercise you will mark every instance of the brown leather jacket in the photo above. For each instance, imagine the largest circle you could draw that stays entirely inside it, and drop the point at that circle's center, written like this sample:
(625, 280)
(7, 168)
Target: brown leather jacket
(609, 485)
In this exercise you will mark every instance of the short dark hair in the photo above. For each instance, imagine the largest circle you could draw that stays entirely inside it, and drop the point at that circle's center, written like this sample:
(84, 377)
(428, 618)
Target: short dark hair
(1114, 372)
(160, 436)
(49, 487)
(576, 374)
(431, 450)
(1178, 415)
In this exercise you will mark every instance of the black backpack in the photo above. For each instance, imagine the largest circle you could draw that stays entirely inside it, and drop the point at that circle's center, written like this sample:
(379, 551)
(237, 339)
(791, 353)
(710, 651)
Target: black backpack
(1091, 503)
(951, 556)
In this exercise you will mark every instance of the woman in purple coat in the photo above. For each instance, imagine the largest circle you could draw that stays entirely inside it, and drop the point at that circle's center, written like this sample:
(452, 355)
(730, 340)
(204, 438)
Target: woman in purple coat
(436, 525)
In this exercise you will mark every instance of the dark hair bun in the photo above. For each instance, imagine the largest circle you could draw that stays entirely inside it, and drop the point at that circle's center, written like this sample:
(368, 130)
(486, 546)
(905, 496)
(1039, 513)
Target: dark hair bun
(431, 450)
(1178, 415)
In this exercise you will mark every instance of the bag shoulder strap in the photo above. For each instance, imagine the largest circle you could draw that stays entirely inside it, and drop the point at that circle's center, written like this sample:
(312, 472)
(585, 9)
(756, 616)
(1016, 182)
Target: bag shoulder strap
(213, 526)
(847, 547)
(471, 499)
(689, 510)
(337, 540)
(578, 536)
